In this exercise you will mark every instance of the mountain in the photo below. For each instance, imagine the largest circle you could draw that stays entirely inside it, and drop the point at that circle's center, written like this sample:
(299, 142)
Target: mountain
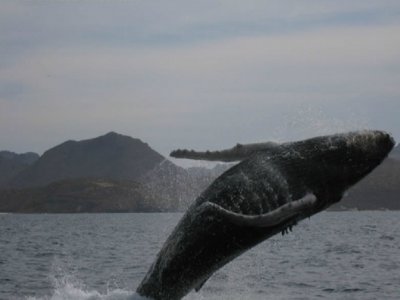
(64, 179)
(117, 173)
(166, 188)
(379, 190)
(113, 156)
(12, 163)
(78, 195)
(395, 153)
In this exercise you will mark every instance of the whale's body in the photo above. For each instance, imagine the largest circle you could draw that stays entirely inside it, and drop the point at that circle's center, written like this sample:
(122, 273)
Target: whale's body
(270, 190)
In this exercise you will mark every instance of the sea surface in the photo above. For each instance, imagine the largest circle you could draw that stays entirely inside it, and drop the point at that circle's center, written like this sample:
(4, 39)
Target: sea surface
(333, 255)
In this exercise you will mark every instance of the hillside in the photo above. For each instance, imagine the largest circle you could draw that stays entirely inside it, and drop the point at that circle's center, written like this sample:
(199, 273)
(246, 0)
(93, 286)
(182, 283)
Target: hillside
(379, 190)
(167, 188)
(62, 173)
(395, 154)
(117, 173)
(77, 196)
(111, 156)
(12, 164)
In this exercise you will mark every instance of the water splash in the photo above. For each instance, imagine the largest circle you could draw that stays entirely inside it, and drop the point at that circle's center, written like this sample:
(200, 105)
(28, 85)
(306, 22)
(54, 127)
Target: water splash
(68, 287)
(70, 292)
(311, 120)
(163, 162)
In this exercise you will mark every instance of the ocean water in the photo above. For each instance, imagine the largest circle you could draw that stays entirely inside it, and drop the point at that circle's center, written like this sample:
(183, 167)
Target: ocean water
(334, 255)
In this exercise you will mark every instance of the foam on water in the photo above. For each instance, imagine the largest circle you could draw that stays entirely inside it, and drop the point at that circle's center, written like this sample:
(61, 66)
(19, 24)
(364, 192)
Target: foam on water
(69, 288)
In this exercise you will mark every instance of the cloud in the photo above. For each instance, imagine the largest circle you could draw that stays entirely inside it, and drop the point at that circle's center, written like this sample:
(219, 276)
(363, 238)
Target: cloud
(200, 75)
(158, 22)
(331, 58)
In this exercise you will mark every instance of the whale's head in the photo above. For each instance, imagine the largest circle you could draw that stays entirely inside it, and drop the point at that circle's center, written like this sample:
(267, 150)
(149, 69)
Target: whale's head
(339, 161)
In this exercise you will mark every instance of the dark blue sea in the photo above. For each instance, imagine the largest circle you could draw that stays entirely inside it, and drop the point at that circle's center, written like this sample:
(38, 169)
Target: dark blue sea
(334, 255)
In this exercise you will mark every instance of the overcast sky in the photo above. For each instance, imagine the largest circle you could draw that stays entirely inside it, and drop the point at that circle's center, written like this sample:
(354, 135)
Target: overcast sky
(196, 74)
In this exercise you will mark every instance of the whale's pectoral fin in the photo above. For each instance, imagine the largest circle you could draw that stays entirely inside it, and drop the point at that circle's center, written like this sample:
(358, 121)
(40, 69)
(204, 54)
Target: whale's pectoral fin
(237, 153)
(301, 207)
(287, 215)
(228, 155)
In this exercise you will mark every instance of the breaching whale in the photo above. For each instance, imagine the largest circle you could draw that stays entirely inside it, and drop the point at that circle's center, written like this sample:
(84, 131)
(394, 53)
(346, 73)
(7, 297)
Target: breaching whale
(273, 188)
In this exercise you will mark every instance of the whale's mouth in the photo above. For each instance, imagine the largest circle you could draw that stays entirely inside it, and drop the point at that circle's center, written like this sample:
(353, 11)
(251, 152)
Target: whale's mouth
(294, 210)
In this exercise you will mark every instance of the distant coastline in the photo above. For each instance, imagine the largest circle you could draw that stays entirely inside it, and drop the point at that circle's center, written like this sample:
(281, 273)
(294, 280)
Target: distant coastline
(115, 173)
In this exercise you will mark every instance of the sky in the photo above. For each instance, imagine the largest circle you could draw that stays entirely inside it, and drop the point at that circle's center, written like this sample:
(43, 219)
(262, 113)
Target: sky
(196, 74)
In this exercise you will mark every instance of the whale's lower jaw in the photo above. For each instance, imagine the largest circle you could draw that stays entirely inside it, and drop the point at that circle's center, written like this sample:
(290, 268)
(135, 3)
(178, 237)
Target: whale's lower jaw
(265, 194)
